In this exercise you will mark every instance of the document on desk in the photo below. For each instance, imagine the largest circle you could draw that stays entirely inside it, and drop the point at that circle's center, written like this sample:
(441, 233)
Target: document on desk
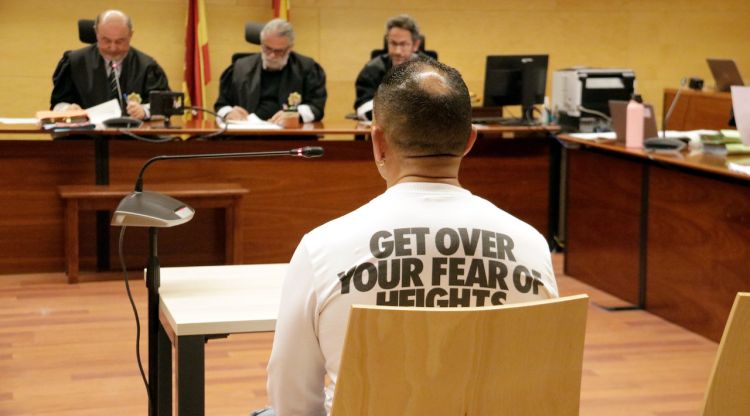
(253, 122)
(741, 107)
(18, 120)
(104, 111)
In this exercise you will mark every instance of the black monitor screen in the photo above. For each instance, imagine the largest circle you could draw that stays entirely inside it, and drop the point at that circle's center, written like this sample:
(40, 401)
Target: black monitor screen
(515, 80)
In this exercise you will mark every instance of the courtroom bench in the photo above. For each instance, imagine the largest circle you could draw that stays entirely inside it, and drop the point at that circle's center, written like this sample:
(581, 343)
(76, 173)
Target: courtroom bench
(77, 198)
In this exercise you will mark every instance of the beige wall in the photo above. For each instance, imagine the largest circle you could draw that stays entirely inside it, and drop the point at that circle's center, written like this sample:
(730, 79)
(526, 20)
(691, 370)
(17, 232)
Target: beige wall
(661, 40)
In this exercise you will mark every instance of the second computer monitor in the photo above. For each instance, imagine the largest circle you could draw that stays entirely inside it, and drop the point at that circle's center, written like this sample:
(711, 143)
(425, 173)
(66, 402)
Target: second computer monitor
(515, 80)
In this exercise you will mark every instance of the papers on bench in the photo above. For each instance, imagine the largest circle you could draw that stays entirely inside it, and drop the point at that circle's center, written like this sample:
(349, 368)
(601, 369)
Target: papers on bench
(253, 122)
(104, 111)
(18, 120)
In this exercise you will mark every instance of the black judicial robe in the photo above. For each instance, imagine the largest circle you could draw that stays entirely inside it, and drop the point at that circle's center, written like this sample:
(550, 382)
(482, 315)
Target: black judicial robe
(371, 76)
(81, 77)
(240, 83)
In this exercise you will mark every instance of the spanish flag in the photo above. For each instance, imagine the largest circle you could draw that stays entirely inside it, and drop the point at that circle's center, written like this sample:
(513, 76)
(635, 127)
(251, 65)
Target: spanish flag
(281, 9)
(197, 70)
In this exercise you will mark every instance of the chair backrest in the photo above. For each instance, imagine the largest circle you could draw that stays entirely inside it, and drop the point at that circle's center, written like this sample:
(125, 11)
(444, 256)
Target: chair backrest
(86, 32)
(377, 52)
(252, 32)
(728, 391)
(520, 359)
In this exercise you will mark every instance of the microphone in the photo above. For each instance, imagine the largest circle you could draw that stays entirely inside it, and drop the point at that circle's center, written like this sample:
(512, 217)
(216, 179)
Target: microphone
(673, 144)
(113, 66)
(668, 115)
(152, 209)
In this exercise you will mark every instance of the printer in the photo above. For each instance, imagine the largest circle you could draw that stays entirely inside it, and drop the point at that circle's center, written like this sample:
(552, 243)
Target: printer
(580, 96)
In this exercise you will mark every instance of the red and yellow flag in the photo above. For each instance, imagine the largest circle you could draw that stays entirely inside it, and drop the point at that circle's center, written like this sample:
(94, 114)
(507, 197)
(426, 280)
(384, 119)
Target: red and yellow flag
(281, 8)
(197, 70)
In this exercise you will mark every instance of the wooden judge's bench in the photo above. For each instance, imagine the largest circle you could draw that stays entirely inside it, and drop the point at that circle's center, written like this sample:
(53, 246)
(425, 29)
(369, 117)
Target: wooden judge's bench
(698, 110)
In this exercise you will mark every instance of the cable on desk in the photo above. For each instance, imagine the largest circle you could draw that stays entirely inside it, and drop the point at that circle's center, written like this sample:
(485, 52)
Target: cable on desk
(164, 139)
(135, 312)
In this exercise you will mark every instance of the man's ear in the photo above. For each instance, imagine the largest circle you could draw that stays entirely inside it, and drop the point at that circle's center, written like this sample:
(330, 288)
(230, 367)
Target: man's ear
(471, 141)
(379, 144)
(417, 43)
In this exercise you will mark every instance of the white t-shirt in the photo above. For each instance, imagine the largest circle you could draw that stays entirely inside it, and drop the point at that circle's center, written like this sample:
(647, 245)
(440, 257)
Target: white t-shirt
(417, 244)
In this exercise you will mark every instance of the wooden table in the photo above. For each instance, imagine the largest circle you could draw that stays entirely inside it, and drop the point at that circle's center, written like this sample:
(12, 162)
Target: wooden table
(227, 196)
(668, 233)
(514, 167)
(198, 303)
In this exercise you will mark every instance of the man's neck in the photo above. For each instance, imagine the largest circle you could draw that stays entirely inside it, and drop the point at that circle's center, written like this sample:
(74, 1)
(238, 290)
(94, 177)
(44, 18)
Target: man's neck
(434, 169)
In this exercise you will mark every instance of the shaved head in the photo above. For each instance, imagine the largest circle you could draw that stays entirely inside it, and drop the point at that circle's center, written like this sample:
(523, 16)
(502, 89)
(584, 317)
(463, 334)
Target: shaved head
(423, 107)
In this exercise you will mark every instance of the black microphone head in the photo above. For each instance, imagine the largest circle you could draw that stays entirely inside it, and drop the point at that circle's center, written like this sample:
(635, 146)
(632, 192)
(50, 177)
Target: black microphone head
(308, 151)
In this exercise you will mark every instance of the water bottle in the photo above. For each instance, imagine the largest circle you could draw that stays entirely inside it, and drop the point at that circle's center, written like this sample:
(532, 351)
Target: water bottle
(634, 123)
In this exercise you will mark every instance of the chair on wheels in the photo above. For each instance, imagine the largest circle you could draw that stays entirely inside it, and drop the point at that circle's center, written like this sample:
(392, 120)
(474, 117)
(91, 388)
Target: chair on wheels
(520, 359)
(728, 391)
(377, 52)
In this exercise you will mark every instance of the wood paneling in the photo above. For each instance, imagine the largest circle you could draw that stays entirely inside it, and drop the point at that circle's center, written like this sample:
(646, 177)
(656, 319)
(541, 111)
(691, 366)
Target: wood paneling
(603, 222)
(662, 42)
(698, 248)
(698, 110)
(288, 197)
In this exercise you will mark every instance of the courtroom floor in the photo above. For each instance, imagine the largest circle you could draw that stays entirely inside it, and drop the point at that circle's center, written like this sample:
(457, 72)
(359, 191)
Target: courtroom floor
(69, 350)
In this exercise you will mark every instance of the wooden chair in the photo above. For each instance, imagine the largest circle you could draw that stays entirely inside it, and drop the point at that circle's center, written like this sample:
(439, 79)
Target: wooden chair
(520, 359)
(729, 386)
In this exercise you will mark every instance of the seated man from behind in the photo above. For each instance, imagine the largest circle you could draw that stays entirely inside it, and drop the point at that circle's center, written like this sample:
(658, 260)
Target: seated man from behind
(424, 242)
(261, 83)
(403, 40)
(86, 77)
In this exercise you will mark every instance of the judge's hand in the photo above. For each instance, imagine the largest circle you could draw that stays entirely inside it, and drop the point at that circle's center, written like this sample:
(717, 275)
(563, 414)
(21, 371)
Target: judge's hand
(136, 110)
(73, 107)
(237, 113)
(277, 118)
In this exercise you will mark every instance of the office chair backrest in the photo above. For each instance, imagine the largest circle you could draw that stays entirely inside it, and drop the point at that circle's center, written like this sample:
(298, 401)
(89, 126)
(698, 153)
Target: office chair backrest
(377, 52)
(252, 35)
(86, 32)
(521, 359)
(728, 391)
(252, 32)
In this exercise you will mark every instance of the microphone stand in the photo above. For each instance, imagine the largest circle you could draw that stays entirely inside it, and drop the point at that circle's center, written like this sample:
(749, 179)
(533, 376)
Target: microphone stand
(120, 100)
(155, 210)
(672, 106)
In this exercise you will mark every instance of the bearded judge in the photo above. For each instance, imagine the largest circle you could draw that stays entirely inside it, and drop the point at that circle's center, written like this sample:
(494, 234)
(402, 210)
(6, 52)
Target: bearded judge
(262, 83)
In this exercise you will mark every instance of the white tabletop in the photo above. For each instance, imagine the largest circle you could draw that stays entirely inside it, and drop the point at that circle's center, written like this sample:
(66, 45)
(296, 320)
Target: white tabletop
(221, 299)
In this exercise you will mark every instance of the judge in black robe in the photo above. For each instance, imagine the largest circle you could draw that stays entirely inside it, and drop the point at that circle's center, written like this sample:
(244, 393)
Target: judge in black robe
(402, 42)
(81, 77)
(246, 84)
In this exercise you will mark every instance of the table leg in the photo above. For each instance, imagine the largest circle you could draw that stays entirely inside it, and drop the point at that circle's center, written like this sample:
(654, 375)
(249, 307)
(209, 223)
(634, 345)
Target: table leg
(101, 167)
(164, 368)
(191, 375)
(71, 240)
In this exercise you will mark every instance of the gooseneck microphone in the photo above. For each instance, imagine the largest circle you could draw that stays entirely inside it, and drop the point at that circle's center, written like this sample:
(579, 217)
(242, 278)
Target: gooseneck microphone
(113, 67)
(307, 151)
(152, 209)
(664, 144)
(668, 115)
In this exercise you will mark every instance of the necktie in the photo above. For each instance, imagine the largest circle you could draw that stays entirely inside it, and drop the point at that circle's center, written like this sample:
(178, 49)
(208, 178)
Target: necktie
(113, 85)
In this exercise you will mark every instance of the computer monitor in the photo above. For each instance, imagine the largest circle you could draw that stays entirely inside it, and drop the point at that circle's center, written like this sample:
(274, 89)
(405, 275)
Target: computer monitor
(516, 80)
